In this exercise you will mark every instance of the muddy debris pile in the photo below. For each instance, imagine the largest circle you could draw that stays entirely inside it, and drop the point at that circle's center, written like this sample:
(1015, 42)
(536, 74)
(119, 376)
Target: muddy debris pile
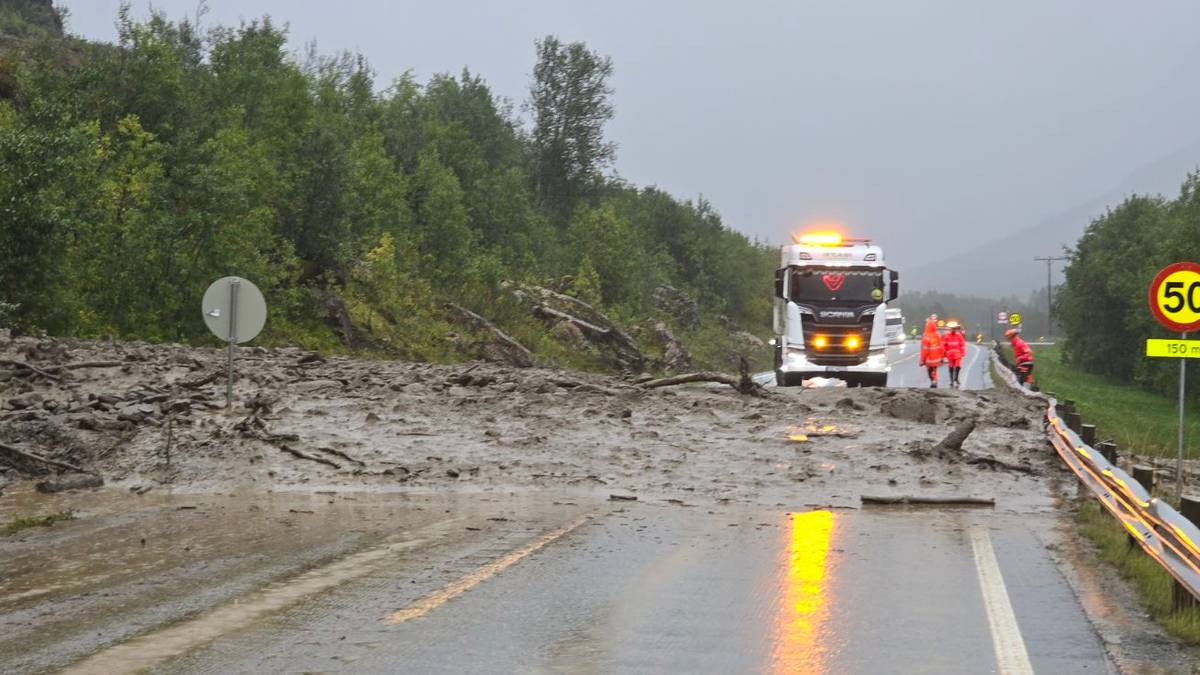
(154, 415)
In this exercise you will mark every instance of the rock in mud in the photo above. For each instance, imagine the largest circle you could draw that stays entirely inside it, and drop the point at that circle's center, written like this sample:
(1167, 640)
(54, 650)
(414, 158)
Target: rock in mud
(911, 408)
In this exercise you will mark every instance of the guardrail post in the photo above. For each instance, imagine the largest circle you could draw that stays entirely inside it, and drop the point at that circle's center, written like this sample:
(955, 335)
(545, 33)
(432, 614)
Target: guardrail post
(1074, 421)
(1181, 598)
(1088, 434)
(1109, 450)
(1144, 475)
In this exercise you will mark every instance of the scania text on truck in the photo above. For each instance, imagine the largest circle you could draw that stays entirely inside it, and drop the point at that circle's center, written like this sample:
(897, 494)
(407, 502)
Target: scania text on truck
(830, 302)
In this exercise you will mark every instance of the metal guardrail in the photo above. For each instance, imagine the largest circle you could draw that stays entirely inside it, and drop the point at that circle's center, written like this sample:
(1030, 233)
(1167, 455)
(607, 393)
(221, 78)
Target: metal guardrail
(1162, 532)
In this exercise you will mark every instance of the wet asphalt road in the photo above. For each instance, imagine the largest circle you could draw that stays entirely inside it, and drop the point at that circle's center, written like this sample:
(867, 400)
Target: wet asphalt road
(661, 589)
(544, 583)
(907, 372)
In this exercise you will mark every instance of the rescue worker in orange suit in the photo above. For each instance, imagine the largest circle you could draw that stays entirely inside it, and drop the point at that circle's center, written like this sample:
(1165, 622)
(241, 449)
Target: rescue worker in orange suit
(931, 351)
(955, 345)
(1023, 356)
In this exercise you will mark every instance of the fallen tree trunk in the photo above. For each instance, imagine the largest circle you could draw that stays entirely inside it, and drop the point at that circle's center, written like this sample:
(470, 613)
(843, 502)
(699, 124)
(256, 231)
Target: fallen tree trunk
(954, 440)
(33, 457)
(591, 323)
(21, 365)
(942, 501)
(702, 376)
(512, 351)
(743, 383)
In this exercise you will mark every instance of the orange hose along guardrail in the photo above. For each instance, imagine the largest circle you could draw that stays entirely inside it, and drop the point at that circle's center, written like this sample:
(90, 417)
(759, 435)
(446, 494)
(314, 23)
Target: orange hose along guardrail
(1162, 532)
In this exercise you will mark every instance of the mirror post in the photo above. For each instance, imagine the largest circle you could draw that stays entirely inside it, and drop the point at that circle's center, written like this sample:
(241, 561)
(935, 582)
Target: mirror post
(233, 297)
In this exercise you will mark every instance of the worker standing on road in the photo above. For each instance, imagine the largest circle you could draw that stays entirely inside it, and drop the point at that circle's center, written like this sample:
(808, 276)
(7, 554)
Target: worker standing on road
(955, 345)
(1023, 356)
(931, 351)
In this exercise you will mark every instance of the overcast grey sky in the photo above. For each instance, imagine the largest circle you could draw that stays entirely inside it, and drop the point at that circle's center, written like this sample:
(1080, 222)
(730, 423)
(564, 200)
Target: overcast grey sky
(930, 125)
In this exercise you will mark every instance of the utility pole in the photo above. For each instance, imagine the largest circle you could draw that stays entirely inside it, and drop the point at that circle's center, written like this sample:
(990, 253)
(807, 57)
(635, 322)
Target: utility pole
(1049, 290)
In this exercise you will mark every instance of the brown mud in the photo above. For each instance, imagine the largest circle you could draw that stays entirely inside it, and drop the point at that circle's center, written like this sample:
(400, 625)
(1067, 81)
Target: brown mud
(152, 417)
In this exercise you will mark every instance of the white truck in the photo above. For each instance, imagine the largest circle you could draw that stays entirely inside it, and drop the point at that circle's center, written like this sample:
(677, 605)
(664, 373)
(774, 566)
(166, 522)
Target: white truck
(830, 300)
(895, 326)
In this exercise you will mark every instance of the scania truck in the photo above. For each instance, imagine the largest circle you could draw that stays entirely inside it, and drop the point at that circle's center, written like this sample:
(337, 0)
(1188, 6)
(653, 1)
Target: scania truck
(831, 297)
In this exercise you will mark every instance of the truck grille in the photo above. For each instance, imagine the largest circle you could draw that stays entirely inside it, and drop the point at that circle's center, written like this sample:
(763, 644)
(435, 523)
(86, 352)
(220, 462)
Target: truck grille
(835, 353)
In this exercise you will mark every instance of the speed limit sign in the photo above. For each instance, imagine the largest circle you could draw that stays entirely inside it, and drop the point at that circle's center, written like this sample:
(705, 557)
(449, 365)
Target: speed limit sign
(1175, 297)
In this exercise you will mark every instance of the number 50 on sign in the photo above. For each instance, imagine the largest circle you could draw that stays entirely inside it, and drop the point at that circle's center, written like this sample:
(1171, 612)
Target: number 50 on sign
(1175, 297)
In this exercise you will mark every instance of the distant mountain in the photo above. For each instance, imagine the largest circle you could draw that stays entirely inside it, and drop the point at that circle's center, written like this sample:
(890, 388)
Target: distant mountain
(1005, 267)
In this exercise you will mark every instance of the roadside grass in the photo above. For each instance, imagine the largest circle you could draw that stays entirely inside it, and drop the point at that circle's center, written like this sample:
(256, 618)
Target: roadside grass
(1145, 423)
(20, 523)
(1136, 420)
(1152, 581)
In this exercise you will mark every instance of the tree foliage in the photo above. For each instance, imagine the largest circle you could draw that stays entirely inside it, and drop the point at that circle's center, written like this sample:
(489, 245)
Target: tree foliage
(134, 174)
(1102, 304)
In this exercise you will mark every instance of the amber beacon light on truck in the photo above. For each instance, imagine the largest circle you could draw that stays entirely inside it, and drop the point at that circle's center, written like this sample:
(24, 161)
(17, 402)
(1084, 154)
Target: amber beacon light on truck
(831, 295)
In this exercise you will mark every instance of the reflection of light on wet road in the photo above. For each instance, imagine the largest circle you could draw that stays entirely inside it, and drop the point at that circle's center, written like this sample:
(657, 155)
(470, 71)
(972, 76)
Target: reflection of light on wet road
(801, 616)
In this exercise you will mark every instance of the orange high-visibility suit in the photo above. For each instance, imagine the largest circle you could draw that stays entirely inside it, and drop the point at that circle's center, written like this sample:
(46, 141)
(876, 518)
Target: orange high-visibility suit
(955, 344)
(931, 351)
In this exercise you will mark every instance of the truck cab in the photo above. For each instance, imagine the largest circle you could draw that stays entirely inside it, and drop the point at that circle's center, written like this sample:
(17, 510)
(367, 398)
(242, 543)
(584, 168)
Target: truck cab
(831, 296)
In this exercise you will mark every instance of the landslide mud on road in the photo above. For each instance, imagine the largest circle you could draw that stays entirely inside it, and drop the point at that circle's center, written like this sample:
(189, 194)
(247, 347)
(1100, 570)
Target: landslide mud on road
(393, 482)
(151, 417)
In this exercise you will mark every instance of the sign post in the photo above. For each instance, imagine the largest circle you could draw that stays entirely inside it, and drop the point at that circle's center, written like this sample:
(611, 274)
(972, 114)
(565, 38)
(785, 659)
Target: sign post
(1175, 301)
(235, 311)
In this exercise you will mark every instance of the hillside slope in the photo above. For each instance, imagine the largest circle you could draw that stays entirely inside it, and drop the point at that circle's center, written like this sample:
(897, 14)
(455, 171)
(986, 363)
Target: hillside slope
(1005, 266)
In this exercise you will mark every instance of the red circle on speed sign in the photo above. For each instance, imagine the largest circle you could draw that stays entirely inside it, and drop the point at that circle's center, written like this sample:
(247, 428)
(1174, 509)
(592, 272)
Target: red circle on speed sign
(1175, 296)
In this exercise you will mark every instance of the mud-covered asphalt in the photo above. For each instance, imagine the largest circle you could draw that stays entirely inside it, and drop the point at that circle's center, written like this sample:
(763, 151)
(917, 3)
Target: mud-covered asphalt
(301, 421)
(365, 516)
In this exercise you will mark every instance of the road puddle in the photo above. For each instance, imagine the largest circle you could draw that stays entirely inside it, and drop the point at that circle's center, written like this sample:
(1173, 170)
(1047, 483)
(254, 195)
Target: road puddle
(806, 576)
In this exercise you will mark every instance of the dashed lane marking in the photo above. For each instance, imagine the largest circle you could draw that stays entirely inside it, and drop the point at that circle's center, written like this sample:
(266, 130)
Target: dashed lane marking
(151, 649)
(440, 597)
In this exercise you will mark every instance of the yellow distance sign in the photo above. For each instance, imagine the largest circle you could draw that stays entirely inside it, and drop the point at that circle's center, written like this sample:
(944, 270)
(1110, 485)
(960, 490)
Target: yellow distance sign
(1175, 297)
(1014, 319)
(1174, 349)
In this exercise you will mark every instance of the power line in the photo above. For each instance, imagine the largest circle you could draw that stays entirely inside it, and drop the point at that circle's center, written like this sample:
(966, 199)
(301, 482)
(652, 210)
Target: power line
(1049, 260)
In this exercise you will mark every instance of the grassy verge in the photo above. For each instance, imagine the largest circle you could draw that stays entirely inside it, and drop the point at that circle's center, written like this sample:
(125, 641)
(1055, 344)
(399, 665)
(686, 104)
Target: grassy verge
(1152, 582)
(20, 523)
(1145, 423)
(1141, 421)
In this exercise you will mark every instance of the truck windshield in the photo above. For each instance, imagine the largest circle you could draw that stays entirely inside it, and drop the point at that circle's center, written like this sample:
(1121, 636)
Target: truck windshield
(836, 285)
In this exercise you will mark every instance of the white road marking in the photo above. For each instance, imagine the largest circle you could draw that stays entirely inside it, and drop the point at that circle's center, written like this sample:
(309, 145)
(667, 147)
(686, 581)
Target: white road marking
(151, 649)
(976, 349)
(1011, 657)
(440, 597)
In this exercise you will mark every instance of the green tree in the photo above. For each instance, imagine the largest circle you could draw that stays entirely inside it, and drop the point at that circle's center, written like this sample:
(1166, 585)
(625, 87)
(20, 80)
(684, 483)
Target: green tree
(569, 100)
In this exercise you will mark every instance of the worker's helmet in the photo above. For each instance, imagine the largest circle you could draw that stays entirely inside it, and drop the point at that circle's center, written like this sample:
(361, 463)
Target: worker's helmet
(1012, 333)
(953, 325)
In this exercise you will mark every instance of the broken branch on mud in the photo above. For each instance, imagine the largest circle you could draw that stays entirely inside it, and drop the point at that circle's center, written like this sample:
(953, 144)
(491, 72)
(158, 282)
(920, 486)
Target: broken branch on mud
(512, 351)
(943, 501)
(954, 440)
(304, 455)
(21, 365)
(33, 457)
(744, 384)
